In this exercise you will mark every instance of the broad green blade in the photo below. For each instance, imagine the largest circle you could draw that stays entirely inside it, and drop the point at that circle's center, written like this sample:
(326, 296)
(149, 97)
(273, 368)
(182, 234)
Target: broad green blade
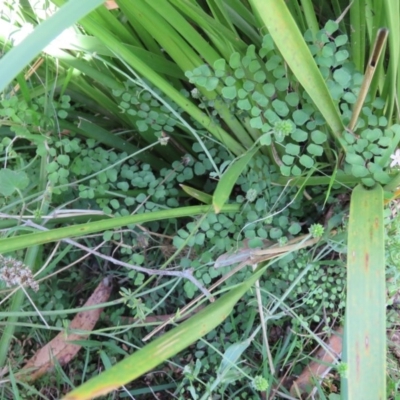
(164, 347)
(12, 63)
(289, 40)
(229, 178)
(32, 239)
(365, 323)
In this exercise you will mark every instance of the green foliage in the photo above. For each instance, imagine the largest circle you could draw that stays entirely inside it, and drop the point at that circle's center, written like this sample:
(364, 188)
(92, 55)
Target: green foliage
(146, 111)
(258, 90)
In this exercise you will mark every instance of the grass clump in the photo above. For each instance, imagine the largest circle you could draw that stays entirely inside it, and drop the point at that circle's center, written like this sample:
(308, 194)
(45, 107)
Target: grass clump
(167, 138)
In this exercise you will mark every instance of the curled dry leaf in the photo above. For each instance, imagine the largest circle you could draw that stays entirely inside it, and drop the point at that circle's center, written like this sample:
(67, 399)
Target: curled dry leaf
(61, 348)
(319, 369)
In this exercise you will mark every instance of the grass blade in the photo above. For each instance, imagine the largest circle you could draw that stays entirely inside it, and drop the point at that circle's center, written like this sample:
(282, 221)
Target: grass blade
(16, 59)
(164, 347)
(23, 241)
(365, 323)
(229, 178)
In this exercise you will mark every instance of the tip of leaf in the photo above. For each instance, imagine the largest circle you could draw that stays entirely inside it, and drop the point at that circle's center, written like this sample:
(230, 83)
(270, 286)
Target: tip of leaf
(217, 208)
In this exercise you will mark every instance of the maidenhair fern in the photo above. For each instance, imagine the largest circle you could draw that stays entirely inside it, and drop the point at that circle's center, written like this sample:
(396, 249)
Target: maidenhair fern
(259, 90)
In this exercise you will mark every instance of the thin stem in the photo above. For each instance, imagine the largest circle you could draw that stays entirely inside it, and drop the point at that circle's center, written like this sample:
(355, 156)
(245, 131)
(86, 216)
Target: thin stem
(369, 73)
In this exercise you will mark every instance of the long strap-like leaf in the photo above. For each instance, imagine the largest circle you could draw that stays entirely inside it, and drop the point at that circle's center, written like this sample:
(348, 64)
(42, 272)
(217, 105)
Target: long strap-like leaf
(365, 332)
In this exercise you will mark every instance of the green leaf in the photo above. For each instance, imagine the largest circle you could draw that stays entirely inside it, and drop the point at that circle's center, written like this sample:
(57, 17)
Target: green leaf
(352, 159)
(248, 86)
(294, 228)
(359, 171)
(306, 161)
(220, 65)
(234, 61)
(300, 117)
(382, 177)
(275, 233)
(372, 134)
(292, 99)
(296, 171)
(288, 160)
(197, 194)
(256, 122)
(280, 108)
(318, 137)
(229, 178)
(282, 84)
(229, 92)
(244, 104)
(255, 111)
(212, 83)
(315, 150)
(269, 89)
(260, 76)
(164, 347)
(12, 63)
(287, 37)
(331, 27)
(342, 76)
(292, 149)
(285, 170)
(10, 181)
(63, 159)
(265, 140)
(240, 73)
(299, 135)
(260, 99)
(341, 40)
(230, 81)
(365, 320)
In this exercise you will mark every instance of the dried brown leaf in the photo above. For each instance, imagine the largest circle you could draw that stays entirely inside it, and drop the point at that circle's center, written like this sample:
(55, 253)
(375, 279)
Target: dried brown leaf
(319, 369)
(60, 348)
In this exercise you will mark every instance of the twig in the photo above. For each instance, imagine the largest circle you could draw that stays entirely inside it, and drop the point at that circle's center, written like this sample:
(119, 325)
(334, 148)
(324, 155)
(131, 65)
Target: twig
(184, 274)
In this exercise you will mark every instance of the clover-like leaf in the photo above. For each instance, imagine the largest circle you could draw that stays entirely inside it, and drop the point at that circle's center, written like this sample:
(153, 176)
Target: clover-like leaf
(234, 60)
(292, 99)
(260, 99)
(244, 104)
(240, 73)
(299, 135)
(359, 171)
(260, 76)
(288, 160)
(212, 83)
(318, 137)
(280, 108)
(285, 170)
(229, 92)
(220, 64)
(315, 149)
(292, 149)
(256, 122)
(300, 117)
(341, 40)
(353, 159)
(306, 161)
(296, 171)
(230, 81)
(11, 181)
(342, 76)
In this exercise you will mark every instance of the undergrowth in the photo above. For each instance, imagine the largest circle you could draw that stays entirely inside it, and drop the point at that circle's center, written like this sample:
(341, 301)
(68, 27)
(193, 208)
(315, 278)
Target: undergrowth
(305, 289)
